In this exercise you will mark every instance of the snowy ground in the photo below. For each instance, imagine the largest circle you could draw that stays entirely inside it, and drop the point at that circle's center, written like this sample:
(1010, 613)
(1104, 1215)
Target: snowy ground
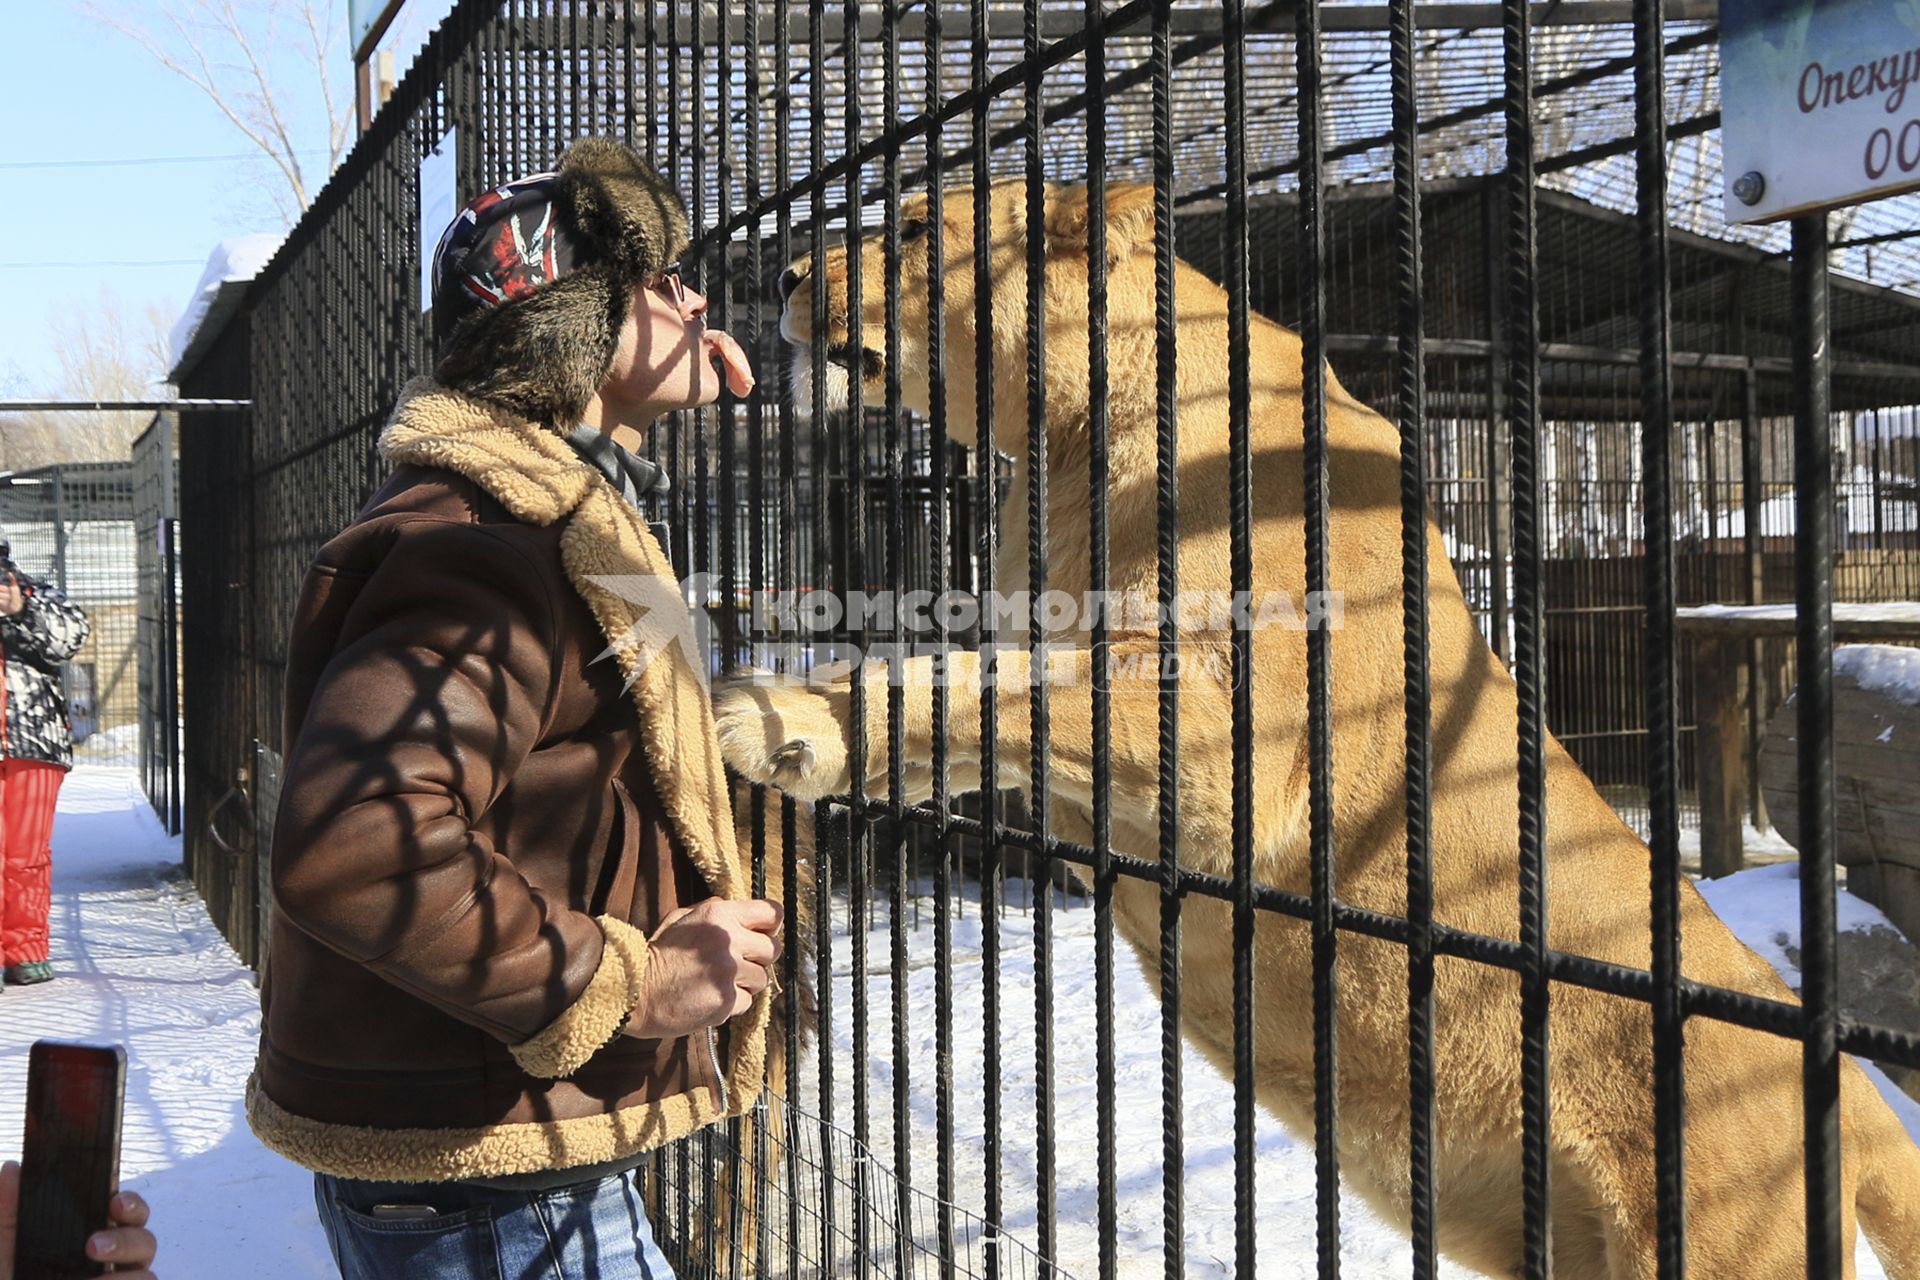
(1761, 905)
(141, 964)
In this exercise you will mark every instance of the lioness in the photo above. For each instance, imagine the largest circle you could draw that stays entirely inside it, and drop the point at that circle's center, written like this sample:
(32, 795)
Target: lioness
(1744, 1138)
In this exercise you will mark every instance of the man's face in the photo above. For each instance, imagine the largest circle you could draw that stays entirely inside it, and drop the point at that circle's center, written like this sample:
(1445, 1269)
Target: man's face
(664, 358)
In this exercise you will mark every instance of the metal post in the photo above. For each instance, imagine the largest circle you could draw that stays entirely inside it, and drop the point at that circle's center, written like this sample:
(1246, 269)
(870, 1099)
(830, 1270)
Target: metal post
(170, 632)
(1519, 335)
(1755, 577)
(60, 529)
(1316, 454)
(1498, 374)
(1813, 595)
(1661, 686)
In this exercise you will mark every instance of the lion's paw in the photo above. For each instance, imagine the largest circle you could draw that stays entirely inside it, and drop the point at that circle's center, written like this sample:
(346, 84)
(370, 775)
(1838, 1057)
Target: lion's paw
(784, 733)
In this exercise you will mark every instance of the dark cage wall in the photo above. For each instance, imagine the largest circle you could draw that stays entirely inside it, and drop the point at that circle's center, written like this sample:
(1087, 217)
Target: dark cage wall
(1393, 811)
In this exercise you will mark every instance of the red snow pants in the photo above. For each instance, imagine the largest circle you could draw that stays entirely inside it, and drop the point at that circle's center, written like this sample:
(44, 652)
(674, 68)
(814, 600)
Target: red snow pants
(28, 790)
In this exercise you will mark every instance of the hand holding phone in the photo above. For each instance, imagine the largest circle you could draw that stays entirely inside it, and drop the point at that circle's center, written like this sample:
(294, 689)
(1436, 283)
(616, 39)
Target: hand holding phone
(54, 1206)
(125, 1243)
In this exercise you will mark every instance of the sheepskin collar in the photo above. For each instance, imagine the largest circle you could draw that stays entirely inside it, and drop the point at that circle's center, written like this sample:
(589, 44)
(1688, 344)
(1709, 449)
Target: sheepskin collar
(537, 476)
(533, 473)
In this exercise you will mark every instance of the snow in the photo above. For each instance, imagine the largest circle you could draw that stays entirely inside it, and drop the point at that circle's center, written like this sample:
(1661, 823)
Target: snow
(1882, 668)
(1884, 611)
(110, 746)
(141, 964)
(1755, 845)
(1285, 1167)
(1866, 503)
(237, 259)
(1762, 907)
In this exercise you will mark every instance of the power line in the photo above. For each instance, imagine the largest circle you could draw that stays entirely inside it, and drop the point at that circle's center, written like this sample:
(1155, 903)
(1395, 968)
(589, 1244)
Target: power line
(106, 262)
(123, 406)
(148, 160)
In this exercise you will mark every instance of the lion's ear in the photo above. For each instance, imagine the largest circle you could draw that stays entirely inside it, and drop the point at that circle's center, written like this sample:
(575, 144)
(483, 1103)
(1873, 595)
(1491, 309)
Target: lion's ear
(1129, 220)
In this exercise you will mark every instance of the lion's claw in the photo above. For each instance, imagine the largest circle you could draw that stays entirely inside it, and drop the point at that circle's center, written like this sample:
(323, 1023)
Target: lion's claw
(797, 754)
(789, 735)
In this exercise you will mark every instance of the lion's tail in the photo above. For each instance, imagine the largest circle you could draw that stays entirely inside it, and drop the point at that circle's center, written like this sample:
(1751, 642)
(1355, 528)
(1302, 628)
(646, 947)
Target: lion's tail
(1888, 1201)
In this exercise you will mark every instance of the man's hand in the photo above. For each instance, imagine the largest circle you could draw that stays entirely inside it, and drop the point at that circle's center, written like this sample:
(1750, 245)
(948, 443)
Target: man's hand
(706, 963)
(127, 1244)
(12, 599)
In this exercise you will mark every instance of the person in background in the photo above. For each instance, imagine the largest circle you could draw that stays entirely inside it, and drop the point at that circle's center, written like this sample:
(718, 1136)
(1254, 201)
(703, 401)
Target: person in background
(39, 630)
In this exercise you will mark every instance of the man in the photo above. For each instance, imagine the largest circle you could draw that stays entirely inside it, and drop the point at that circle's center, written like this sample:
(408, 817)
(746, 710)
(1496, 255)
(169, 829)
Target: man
(511, 947)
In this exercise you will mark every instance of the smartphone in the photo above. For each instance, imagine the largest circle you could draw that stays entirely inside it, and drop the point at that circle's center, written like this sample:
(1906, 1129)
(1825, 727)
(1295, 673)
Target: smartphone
(70, 1157)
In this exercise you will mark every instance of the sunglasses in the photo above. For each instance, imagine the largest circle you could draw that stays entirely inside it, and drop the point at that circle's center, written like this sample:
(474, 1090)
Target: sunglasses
(669, 286)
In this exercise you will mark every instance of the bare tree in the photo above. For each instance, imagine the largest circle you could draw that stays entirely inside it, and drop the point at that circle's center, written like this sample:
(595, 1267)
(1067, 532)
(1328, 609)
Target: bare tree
(230, 51)
(105, 353)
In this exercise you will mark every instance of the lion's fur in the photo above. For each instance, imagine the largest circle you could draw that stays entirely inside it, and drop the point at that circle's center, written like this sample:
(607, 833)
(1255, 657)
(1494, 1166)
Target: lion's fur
(1743, 1140)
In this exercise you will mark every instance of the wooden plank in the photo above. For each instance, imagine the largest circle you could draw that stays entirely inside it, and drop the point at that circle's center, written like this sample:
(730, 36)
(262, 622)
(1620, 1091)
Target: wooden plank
(1717, 746)
(1894, 765)
(1851, 623)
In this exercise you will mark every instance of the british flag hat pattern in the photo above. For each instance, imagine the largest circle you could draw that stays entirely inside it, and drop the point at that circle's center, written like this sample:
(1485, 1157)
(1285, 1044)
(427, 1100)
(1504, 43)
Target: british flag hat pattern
(502, 247)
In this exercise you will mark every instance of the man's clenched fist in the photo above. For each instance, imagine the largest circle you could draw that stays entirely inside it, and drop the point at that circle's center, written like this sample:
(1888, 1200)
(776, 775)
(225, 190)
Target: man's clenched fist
(706, 964)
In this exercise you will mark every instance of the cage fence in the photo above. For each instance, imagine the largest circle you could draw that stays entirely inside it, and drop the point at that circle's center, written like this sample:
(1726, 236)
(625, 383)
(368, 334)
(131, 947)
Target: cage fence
(222, 692)
(154, 518)
(70, 525)
(761, 1209)
(1598, 440)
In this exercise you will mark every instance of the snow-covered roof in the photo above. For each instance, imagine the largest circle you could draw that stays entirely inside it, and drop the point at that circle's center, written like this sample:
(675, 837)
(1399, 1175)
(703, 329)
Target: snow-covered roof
(229, 267)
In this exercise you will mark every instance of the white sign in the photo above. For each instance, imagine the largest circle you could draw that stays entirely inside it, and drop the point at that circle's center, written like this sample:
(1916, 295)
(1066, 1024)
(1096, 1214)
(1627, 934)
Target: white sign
(1820, 103)
(363, 17)
(439, 201)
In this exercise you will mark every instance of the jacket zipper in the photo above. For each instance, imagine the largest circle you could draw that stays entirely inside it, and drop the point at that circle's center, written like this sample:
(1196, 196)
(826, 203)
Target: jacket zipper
(719, 1076)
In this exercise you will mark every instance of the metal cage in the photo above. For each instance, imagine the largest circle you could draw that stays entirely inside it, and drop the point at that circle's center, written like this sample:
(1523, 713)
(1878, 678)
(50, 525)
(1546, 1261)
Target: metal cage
(1496, 224)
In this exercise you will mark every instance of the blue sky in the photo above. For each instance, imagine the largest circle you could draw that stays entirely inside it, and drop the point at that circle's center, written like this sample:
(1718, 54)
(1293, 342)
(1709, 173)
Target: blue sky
(75, 93)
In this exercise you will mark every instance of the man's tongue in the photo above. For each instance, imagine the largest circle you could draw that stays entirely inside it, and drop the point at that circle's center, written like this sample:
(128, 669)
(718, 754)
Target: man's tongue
(729, 357)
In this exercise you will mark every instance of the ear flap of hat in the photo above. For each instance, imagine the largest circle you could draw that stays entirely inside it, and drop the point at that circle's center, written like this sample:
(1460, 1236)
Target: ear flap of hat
(543, 356)
(632, 220)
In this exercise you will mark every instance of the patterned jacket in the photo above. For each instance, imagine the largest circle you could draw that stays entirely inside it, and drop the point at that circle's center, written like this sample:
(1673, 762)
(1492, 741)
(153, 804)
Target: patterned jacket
(46, 632)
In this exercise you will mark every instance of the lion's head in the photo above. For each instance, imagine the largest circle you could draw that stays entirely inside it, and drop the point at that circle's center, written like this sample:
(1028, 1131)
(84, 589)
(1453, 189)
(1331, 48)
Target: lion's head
(1129, 246)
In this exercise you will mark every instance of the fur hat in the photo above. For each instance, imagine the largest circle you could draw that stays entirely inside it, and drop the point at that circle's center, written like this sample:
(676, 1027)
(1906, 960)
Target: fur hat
(531, 318)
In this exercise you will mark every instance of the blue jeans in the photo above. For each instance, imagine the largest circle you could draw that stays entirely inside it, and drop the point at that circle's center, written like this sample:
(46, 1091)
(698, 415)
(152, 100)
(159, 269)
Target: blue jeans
(589, 1229)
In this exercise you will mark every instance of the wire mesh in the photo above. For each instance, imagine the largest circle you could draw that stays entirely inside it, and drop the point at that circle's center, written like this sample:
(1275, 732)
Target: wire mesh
(71, 525)
(157, 625)
(880, 1224)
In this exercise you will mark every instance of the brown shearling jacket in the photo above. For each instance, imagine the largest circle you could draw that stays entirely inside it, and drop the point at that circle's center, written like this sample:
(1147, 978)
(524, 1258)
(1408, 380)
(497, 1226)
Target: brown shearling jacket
(480, 822)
